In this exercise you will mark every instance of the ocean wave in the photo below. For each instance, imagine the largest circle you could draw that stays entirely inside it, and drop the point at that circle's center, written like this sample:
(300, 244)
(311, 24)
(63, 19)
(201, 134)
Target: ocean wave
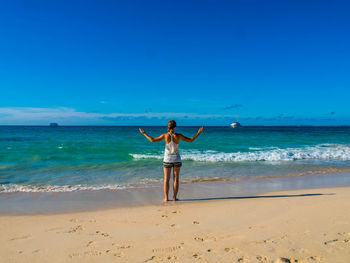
(318, 152)
(262, 148)
(14, 188)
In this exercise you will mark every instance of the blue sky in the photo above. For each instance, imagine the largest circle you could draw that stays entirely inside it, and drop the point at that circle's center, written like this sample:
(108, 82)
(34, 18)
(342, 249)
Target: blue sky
(199, 62)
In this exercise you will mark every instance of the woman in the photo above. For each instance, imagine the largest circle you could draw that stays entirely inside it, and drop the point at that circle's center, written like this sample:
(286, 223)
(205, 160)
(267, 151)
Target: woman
(172, 157)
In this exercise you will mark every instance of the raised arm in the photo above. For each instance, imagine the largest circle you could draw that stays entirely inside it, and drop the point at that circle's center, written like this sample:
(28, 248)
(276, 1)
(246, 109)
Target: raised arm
(158, 139)
(184, 138)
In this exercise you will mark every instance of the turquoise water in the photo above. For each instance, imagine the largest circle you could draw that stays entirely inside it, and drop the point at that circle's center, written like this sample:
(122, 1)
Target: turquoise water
(58, 159)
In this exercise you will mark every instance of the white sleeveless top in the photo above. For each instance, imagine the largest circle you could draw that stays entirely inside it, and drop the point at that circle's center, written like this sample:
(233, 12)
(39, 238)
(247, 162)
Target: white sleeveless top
(171, 153)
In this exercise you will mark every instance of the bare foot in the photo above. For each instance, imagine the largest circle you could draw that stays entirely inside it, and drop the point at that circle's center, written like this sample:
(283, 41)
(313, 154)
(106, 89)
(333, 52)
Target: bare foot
(175, 199)
(165, 200)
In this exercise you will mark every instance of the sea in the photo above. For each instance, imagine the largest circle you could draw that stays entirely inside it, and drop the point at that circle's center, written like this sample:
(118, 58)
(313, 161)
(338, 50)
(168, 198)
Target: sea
(91, 158)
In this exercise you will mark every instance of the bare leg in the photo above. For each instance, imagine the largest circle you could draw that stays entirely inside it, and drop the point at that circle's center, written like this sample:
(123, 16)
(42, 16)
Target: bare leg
(176, 172)
(167, 173)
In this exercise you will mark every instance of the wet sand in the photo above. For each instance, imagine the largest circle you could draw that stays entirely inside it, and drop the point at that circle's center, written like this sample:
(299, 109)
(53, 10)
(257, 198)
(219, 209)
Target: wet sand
(310, 225)
(80, 201)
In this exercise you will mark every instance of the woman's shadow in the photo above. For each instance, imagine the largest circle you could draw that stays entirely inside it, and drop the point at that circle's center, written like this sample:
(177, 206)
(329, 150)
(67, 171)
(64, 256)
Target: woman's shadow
(249, 197)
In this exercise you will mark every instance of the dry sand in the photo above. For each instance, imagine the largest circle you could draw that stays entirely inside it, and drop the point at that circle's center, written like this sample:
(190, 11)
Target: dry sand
(275, 227)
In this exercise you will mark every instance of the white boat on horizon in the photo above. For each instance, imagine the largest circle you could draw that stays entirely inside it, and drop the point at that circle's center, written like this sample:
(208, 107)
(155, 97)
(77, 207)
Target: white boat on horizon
(235, 124)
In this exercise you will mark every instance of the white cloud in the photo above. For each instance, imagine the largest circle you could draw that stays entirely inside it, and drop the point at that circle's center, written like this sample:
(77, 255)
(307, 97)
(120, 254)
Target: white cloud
(70, 116)
(64, 115)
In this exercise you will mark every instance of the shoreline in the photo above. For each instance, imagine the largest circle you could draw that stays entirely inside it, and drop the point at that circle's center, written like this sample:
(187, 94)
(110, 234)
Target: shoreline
(80, 201)
(309, 225)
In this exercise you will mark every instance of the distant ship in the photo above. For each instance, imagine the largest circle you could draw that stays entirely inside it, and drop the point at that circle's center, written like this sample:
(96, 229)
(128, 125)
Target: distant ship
(235, 124)
(53, 124)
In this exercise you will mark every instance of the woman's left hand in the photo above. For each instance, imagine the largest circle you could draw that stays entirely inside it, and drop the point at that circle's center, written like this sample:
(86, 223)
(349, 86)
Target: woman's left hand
(142, 131)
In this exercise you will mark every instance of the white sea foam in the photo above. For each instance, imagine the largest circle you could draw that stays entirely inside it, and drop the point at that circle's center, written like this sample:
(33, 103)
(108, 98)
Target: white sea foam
(146, 156)
(262, 148)
(14, 188)
(319, 152)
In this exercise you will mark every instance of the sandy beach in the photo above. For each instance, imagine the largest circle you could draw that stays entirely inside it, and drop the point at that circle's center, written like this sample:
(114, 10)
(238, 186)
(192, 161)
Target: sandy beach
(291, 226)
(238, 110)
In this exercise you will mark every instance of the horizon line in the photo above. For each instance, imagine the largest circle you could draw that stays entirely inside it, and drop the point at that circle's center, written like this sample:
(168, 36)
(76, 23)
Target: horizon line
(82, 125)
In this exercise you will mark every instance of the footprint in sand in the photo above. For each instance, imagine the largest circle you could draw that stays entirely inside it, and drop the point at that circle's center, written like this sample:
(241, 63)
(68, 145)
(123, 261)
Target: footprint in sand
(331, 241)
(150, 259)
(115, 253)
(316, 258)
(118, 254)
(284, 236)
(242, 259)
(176, 212)
(231, 249)
(261, 258)
(285, 260)
(22, 237)
(171, 257)
(78, 228)
(93, 253)
(164, 258)
(195, 222)
(337, 242)
(91, 244)
(121, 246)
(102, 233)
(166, 249)
(76, 254)
(199, 239)
(206, 239)
(164, 216)
(96, 253)
(210, 239)
(270, 240)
